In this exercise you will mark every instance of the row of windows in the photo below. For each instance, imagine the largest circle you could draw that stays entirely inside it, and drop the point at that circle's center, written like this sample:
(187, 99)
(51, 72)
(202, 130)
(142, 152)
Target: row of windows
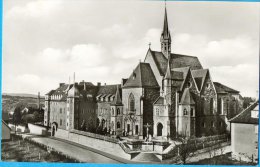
(212, 124)
(103, 111)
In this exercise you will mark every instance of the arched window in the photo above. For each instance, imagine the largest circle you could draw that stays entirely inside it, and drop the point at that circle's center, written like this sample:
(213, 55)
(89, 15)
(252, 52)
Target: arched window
(113, 112)
(157, 111)
(118, 111)
(131, 102)
(185, 112)
(118, 125)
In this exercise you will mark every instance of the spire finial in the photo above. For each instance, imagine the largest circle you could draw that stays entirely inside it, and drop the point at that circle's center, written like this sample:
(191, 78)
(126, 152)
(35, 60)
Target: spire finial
(165, 3)
(149, 45)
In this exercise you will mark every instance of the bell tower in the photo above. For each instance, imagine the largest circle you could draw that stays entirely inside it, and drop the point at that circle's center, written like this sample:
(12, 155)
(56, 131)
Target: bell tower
(166, 37)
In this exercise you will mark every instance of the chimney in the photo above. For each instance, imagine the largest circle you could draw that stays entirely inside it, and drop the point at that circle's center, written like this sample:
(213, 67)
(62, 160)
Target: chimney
(61, 84)
(98, 84)
(39, 102)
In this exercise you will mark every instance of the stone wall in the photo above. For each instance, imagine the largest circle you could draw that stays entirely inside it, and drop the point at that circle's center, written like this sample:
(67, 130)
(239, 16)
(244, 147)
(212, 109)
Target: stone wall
(38, 130)
(105, 146)
(244, 141)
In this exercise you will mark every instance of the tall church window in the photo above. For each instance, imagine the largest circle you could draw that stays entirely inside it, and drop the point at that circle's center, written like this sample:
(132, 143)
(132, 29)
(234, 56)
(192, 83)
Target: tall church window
(192, 113)
(118, 125)
(118, 111)
(157, 111)
(131, 102)
(211, 105)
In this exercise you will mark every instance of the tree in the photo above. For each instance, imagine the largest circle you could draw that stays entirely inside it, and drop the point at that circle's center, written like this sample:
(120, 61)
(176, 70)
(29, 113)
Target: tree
(17, 117)
(186, 149)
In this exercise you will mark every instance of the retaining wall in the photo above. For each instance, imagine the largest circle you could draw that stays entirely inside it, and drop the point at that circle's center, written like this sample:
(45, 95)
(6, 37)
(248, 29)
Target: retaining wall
(105, 146)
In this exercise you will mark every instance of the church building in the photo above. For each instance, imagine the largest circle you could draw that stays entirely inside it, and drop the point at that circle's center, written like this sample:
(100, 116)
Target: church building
(170, 94)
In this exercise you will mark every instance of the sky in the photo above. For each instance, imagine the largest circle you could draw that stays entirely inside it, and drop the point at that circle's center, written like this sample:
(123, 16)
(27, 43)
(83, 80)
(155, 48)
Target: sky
(45, 41)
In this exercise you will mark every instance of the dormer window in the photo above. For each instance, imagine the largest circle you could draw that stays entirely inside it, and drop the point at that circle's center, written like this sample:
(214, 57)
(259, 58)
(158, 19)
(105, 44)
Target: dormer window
(189, 84)
(207, 85)
(134, 75)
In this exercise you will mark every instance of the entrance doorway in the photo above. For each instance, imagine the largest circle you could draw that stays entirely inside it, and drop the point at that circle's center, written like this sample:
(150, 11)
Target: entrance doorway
(159, 129)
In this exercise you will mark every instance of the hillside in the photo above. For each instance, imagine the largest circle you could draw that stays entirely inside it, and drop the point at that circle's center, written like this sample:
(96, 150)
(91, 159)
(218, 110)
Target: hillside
(10, 101)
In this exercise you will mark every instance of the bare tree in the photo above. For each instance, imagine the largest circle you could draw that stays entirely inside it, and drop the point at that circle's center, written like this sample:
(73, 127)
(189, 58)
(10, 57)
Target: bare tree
(186, 147)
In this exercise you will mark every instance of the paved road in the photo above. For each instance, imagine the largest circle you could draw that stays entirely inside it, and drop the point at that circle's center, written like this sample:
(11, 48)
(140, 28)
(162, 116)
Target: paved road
(74, 151)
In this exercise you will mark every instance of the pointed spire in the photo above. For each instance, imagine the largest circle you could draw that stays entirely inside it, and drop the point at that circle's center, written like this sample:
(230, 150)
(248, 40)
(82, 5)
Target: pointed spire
(117, 100)
(165, 36)
(166, 32)
(168, 70)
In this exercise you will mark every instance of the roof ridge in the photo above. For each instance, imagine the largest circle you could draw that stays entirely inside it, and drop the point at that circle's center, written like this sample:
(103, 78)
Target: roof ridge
(245, 110)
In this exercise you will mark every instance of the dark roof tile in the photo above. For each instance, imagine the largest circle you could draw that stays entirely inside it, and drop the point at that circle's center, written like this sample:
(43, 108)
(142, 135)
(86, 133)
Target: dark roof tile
(245, 115)
(142, 76)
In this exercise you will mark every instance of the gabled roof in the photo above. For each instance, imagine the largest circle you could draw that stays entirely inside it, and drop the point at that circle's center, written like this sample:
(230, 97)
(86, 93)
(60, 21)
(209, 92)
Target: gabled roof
(159, 101)
(142, 76)
(6, 124)
(199, 77)
(187, 98)
(177, 61)
(50, 92)
(220, 88)
(108, 89)
(245, 116)
(117, 100)
(184, 71)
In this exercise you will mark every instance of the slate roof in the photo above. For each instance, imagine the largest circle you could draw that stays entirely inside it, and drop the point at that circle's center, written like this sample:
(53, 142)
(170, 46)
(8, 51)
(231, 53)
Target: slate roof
(142, 76)
(117, 100)
(159, 101)
(220, 88)
(108, 89)
(187, 98)
(50, 92)
(177, 61)
(245, 115)
(199, 77)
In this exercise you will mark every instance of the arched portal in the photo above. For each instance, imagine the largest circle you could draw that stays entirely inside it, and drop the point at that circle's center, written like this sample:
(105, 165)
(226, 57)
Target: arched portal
(54, 127)
(103, 123)
(159, 129)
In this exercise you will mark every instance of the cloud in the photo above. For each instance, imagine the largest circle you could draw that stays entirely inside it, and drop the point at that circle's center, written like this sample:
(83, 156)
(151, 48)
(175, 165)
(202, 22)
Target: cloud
(34, 9)
(242, 77)
(223, 52)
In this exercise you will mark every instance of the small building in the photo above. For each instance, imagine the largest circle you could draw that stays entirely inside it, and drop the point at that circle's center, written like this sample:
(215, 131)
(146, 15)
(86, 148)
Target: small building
(244, 134)
(6, 131)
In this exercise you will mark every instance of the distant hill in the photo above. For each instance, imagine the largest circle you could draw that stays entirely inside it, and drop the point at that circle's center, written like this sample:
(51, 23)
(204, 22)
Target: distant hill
(21, 95)
(11, 100)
